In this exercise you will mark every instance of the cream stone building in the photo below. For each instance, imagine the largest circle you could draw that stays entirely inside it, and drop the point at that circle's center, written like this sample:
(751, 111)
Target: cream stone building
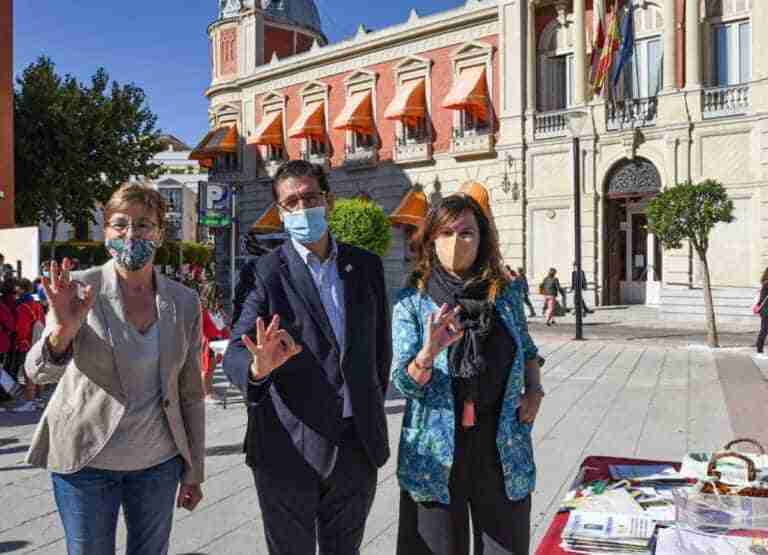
(484, 93)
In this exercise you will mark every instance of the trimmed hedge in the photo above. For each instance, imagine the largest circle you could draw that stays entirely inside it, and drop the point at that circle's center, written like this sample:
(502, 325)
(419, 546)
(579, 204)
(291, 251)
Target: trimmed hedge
(361, 223)
(93, 253)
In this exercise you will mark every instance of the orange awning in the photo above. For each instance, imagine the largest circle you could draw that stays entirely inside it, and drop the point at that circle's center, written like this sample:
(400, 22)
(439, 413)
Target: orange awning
(357, 114)
(268, 222)
(310, 124)
(270, 131)
(469, 92)
(410, 104)
(223, 140)
(412, 209)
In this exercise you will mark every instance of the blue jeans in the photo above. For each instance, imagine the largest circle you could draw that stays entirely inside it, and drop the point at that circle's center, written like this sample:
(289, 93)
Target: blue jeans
(89, 501)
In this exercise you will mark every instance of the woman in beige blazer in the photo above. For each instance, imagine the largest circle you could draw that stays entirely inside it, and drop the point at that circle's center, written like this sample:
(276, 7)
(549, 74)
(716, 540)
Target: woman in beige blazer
(126, 425)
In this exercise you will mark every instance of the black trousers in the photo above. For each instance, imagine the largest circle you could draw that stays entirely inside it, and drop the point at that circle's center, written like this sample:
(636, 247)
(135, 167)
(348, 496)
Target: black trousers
(763, 333)
(302, 512)
(500, 526)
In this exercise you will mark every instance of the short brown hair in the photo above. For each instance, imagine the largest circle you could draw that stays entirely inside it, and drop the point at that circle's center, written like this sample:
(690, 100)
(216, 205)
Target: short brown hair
(487, 266)
(300, 168)
(136, 193)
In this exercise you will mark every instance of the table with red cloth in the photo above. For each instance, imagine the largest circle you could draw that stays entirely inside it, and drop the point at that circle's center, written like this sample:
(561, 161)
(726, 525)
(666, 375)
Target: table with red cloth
(594, 468)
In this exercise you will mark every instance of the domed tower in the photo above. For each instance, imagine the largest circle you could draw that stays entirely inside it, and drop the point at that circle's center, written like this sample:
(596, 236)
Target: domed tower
(248, 33)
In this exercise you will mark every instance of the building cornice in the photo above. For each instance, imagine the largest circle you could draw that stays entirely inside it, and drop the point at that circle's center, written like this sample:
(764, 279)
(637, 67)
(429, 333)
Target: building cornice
(443, 29)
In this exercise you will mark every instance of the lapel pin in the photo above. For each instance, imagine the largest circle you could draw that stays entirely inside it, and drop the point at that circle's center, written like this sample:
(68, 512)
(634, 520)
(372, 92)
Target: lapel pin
(348, 268)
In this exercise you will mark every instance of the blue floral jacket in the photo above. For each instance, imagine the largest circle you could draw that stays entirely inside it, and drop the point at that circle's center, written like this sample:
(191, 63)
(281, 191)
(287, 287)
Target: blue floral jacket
(427, 437)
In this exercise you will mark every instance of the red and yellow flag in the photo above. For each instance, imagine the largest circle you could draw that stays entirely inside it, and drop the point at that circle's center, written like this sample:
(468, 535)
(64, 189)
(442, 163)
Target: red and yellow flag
(611, 46)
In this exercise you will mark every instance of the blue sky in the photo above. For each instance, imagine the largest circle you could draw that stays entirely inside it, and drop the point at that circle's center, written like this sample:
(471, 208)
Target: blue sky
(162, 45)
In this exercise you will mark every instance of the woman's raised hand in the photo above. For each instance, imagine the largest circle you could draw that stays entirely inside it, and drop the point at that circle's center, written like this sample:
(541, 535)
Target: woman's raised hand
(443, 330)
(69, 302)
(273, 348)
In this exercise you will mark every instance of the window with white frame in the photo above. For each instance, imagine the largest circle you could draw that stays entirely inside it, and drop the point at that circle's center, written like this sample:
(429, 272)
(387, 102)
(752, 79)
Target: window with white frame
(472, 124)
(313, 94)
(642, 74)
(275, 153)
(361, 141)
(557, 82)
(414, 131)
(316, 146)
(732, 53)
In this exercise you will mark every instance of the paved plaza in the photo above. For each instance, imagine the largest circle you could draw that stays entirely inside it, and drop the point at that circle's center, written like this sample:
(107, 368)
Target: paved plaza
(647, 391)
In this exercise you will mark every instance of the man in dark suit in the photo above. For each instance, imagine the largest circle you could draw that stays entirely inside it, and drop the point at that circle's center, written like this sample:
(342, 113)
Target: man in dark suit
(312, 352)
(579, 280)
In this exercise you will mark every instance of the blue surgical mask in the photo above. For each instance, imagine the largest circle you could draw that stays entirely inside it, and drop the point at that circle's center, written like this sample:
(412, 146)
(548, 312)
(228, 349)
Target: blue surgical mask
(306, 226)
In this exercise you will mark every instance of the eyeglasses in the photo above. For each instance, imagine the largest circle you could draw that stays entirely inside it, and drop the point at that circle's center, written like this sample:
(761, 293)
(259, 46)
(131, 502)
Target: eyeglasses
(141, 228)
(298, 202)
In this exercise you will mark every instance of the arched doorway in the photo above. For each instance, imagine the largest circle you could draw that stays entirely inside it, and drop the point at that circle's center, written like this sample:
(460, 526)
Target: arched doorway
(632, 255)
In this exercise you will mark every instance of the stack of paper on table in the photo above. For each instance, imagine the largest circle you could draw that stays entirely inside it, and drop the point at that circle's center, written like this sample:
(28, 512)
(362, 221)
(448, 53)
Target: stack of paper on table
(674, 541)
(588, 532)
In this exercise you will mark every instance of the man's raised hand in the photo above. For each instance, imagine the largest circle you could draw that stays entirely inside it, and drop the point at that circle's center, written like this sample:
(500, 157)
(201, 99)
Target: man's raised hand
(273, 348)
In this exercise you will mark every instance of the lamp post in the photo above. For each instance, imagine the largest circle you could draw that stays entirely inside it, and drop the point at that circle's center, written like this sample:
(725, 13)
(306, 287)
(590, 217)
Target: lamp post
(576, 120)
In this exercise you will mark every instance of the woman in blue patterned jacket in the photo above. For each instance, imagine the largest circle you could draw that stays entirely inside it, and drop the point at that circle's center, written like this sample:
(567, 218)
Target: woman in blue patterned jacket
(462, 357)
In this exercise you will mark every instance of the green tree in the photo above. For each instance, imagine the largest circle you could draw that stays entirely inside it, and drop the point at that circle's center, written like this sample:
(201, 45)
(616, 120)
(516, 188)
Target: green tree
(76, 143)
(689, 212)
(361, 223)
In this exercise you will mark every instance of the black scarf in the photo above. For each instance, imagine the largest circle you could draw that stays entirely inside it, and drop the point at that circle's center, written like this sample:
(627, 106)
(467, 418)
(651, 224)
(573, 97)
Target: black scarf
(467, 357)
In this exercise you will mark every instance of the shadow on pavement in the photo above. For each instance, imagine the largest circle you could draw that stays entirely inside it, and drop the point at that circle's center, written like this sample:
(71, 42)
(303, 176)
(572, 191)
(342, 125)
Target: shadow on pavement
(11, 546)
(14, 450)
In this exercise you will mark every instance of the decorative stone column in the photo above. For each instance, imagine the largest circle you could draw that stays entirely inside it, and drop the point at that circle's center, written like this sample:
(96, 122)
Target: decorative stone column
(693, 51)
(531, 69)
(670, 50)
(579, 52)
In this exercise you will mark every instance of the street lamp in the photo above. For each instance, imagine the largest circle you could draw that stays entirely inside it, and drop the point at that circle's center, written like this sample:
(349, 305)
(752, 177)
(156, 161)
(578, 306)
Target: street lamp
(576, 121)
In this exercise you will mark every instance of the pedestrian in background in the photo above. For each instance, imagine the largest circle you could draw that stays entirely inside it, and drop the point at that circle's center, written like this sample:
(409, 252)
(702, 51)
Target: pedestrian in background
(526, 289)
(11, 389)
(762, 310)
(215, 328)
(30, 321)
(579, 281)
(462, 356)
(551, 288)
(125, 428)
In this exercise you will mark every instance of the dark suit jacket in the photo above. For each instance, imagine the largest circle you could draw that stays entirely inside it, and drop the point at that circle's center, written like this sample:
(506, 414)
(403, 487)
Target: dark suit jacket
(298, 401)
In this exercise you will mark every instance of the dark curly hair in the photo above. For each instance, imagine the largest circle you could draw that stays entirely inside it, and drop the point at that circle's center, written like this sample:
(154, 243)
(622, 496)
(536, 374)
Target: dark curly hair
(487, 268)
(764, 279)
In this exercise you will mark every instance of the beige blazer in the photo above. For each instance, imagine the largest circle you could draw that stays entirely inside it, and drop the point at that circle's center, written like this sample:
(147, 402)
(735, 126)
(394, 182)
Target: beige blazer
(90, 400)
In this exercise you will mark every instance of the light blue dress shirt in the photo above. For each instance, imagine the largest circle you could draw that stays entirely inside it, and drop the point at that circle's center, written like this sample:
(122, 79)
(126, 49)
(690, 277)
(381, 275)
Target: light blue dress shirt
(330, 287)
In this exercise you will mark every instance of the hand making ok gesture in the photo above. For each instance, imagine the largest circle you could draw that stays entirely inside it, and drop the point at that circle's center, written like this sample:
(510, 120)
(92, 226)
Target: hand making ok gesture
(69, 302)
(273, 348)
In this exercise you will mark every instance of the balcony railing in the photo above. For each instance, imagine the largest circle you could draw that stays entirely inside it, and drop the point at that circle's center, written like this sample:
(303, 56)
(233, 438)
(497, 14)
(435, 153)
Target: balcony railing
(319, 158)
(631, 113)
(360, 157)
(550, 124)
(472, 142)
(725, 101)
(418, 149)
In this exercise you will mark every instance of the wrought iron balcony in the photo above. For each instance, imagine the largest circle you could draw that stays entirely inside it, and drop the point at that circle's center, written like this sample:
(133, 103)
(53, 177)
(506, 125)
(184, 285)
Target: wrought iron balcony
(413, 150)
(472, 142)
(725, 101)
(631, 113)
(550, 124)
